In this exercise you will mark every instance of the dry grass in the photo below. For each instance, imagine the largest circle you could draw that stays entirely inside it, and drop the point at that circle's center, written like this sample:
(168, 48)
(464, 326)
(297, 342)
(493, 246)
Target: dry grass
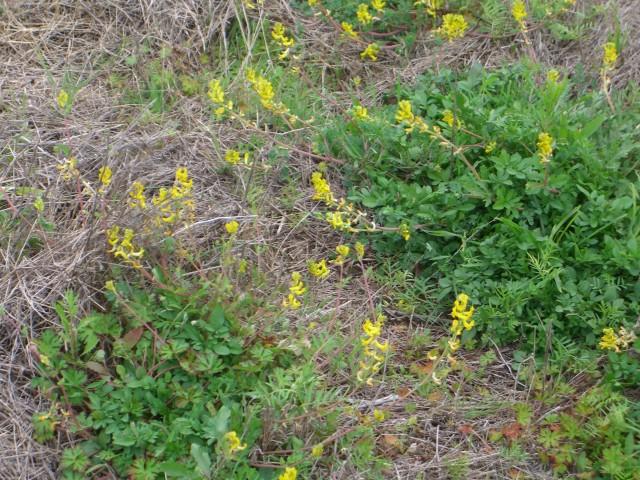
(45, 43)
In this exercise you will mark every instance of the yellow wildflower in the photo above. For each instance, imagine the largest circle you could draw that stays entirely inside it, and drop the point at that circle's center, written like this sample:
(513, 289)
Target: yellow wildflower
(291, 302)
(62, 99)
(290, 473)
(232, 443)
(343, 250)
(609, 340)
(231, 227)
(378, 415)
(453, 26)
(137, 196)
(232, 156)
(359, 112)
(110, 286)
(38, 204)
(297, 285)
(545, 147)
(364, 17)
(378, 5)
(69, 169)
(405, 232)
(404, 113)
(322, 189)
(336, 221)
(317, 450)
(553, 76)
(348, 30)
(373, 350)
(359, 248)
(610, 55)
(490, 147)
(104, 176)
(279, 35)
(45, 360)
(123, 247)
(519, 12)
(371, 52)
(319, 269)
(312, 3)
(215, 93)
(462, 317)
(454, 344)
(431, 6)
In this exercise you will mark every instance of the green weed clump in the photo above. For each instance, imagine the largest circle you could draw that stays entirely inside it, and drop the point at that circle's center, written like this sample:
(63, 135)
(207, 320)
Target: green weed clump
(521, 191)
(168, 381)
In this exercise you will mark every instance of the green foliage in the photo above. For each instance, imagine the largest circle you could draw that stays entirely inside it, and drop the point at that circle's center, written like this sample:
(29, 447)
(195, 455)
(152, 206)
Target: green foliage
(601, 434)
(540, 257)
(162, 376)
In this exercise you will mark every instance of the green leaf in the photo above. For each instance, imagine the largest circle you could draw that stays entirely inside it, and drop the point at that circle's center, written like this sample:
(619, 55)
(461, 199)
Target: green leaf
(202, 458)
(175, 469)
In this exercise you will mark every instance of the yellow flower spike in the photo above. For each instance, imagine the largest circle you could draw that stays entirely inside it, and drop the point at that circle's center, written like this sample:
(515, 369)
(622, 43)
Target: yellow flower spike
(519, 12)
(322, 189)
(490, 147)
(348, 30)
(359, 112)
(216, 93)
(232, 156)
(343, 250)
(113, 237)
(317, 451)
(364, 17)
(104, 177)
(453, 26)
(62, 99)
(454, 344)
(232, 443)
(378, 5)
(553, 76)
(182, 178)
(278, 33)
(371, 52)
(290, 473)
(291, 302)
(319, 269)
(359, 248)
(462, 317)
(545, 147)
(610, 55)
(609, 340)
(404, 113)
(231, 227)
(378, 415)
(405, 232)
(138, 198)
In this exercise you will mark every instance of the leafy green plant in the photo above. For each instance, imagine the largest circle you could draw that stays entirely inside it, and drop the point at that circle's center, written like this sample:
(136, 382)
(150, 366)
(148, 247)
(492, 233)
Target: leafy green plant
(161, 382)
(543, 254)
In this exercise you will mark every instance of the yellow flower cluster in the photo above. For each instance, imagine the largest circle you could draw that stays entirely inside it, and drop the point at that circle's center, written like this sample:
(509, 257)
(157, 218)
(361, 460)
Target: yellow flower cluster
(360, 113)
(69, 169)
(359, 248)
(431, 6)
(122, 246)
(371, 52)
(406, 117)
(296, 290)
(264, 89)
(348, 30)
(616, 342)
(175, 204)
(363, 14)
(233, 156)
(319, 269)
(290, 473)
(373, 350)
(610, 56)
(545, 147)
(216, 95)
(138, 199)
(462, 317)
(232, 444)
(553, 76)
(405, 232)
(232, 227)
(322, 189)
(519, 12)
(278, 33)
(343, 253)
(453, 26)
(104, 177)
(378, 5)
(62, 99)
